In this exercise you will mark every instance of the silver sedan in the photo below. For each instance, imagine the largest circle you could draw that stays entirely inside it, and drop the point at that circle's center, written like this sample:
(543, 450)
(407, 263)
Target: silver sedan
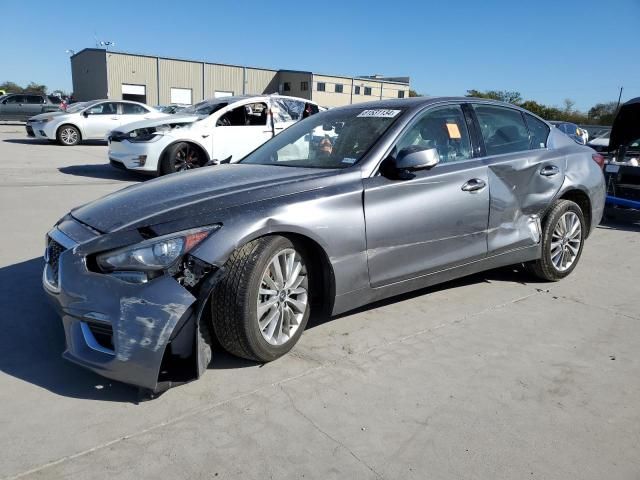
(347, 207)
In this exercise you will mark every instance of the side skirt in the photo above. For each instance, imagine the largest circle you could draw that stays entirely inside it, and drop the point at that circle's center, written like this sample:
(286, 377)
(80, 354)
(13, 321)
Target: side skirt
(358, 298)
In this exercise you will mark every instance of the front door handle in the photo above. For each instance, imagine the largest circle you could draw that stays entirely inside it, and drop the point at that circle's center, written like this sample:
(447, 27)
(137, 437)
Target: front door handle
(474, 185)
(549, 171)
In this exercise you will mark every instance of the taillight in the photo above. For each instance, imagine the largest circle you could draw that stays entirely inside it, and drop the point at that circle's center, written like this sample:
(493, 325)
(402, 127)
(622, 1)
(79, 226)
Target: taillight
(599, 159)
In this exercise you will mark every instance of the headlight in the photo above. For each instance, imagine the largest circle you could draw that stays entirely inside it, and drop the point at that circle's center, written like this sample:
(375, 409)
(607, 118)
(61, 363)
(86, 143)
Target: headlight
(155, 254)
(150, 134)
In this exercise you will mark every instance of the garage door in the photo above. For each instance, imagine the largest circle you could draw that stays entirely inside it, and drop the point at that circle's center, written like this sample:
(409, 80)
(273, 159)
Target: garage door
(136, 93)
(181, 95)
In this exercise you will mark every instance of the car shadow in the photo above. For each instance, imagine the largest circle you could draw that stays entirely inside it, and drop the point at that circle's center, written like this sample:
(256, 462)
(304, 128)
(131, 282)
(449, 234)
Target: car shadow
(512, 274)
(32, 340)
(103, 171)
(40, 141)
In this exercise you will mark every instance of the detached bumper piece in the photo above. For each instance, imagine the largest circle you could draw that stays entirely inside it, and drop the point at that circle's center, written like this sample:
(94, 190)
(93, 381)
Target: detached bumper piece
(143, 334)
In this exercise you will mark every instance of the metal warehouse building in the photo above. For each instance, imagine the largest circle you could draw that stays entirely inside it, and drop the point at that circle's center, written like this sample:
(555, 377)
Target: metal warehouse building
(98, 73)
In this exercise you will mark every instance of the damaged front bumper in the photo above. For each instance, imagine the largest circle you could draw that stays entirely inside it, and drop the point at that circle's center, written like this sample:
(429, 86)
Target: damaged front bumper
(137, 333)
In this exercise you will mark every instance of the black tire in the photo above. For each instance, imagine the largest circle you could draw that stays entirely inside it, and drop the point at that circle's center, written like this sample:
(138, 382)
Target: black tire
(544, 268)
(234, 301)
(68, 136)
(180, 157)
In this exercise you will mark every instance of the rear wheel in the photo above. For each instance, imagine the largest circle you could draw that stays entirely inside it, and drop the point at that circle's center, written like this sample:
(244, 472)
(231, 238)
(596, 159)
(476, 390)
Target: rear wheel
(68, 135)
(562, 241)
(262, 306)
(180, 157)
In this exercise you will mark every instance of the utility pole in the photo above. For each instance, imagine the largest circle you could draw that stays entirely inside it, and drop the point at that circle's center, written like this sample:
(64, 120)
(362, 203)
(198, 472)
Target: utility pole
(619, 98)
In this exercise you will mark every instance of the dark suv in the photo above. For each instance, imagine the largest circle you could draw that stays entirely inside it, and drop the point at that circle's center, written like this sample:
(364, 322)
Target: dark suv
(21, 106)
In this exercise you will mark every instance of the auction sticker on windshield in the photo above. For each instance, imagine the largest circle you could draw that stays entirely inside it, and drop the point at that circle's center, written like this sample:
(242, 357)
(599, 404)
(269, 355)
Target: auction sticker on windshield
(379, 113)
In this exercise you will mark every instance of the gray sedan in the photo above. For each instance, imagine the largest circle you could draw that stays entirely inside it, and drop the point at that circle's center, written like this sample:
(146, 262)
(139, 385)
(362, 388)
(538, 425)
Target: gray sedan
(347, 207)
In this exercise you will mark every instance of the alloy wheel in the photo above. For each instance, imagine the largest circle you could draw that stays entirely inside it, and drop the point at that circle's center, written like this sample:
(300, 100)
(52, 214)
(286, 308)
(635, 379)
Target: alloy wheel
(186, 158)
(69, 136)
(566, 241)
(282, 297)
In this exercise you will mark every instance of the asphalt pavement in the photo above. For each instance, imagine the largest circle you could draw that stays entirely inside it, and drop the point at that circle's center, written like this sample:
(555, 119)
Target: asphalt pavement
(495, 376)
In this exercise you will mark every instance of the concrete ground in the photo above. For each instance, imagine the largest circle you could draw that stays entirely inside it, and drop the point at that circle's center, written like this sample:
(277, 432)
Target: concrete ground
(492, 377)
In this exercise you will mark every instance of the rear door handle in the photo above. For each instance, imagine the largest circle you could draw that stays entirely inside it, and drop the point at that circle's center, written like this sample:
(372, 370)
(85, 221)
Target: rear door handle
(474, 185)
(549, 171)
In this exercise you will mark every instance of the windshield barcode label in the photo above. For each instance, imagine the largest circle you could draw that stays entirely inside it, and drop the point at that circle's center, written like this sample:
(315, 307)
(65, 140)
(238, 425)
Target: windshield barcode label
(379, 113)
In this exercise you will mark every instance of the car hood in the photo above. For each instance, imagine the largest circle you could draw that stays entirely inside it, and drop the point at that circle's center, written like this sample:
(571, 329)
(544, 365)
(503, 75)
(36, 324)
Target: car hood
(626, 126)
(42, 116)
(196, 193)
(164, 119)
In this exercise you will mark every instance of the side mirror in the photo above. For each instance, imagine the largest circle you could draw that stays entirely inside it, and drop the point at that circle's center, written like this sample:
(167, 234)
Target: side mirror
(85, 114)
(416, 158)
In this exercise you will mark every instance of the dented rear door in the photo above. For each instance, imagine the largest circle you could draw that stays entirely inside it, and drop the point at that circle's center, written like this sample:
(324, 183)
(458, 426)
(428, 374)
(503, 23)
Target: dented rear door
(524, 175)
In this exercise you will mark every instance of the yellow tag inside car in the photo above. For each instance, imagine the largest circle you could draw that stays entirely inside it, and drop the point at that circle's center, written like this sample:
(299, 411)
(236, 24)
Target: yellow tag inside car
(454, 131)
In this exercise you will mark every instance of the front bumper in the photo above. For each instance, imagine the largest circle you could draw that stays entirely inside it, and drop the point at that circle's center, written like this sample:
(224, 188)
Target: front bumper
(143, 157)
(38, 130)
(119, 330)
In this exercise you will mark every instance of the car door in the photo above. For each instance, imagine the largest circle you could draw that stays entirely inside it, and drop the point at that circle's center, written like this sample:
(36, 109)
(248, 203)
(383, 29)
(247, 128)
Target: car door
(524, 175)
(438, 218)
(32, 106)
(100, 119)
(241, 130)
(13, 107)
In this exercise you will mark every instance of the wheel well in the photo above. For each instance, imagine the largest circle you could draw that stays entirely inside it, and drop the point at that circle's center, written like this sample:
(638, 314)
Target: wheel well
(69, 125)
(583, 201)
(321, 269)
(166, 149)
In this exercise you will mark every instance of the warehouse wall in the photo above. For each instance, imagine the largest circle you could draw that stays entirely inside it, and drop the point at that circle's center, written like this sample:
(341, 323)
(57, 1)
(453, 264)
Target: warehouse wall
(179, 74)
(295, 79)
(330, 98)
(261, 81)
(89, 75)
(134, 70)
(222, 78)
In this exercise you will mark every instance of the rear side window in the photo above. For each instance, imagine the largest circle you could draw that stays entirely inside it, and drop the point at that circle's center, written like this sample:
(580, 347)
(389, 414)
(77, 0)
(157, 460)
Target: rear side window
(132, 109)
(16, 99)
(538, 131)
(503, 129)
(34, 99)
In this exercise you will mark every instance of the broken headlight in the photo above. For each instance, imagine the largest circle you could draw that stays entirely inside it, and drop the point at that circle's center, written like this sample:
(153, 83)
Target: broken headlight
(154, 254)
(147, 134)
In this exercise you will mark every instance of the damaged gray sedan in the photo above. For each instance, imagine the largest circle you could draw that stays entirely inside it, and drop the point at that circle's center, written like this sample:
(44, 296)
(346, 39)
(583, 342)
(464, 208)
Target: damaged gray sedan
(347, 207)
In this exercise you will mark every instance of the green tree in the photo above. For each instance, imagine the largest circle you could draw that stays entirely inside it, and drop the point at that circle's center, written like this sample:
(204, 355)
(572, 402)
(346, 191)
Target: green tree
(11, 87)
(501, 95)
(413, 93)
(36, 88)
(603, 113)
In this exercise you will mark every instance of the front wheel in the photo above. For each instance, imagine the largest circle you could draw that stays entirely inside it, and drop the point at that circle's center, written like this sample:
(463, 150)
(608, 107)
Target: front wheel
(181, 157)
(262, 305)
(562, 241)
(68, 135)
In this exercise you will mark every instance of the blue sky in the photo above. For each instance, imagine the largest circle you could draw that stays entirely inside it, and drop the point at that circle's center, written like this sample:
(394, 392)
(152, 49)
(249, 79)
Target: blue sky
(548, 50)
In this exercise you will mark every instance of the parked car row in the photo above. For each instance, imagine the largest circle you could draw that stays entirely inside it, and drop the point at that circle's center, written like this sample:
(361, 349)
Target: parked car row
(87, 120)
(22, 106)
(341, 208)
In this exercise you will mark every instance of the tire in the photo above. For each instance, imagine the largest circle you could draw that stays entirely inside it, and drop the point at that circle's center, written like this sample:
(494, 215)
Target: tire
(68, 136)
(561, 251)
(180, 157)
(241, 327)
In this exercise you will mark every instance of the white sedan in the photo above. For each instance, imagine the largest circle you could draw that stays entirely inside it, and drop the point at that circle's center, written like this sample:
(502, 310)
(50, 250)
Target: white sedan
(220, 129)
(88, 120)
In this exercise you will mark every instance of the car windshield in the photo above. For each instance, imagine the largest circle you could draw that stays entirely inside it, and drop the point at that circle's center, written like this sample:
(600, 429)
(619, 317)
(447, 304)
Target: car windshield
(333, 139)
(205, 108)
(76, 107)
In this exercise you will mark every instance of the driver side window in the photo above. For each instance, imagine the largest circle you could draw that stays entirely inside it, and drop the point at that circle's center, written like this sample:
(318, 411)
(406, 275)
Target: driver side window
(442, 128)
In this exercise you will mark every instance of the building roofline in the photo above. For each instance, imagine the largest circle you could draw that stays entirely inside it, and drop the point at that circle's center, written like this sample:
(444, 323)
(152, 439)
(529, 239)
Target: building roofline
(350, 77)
